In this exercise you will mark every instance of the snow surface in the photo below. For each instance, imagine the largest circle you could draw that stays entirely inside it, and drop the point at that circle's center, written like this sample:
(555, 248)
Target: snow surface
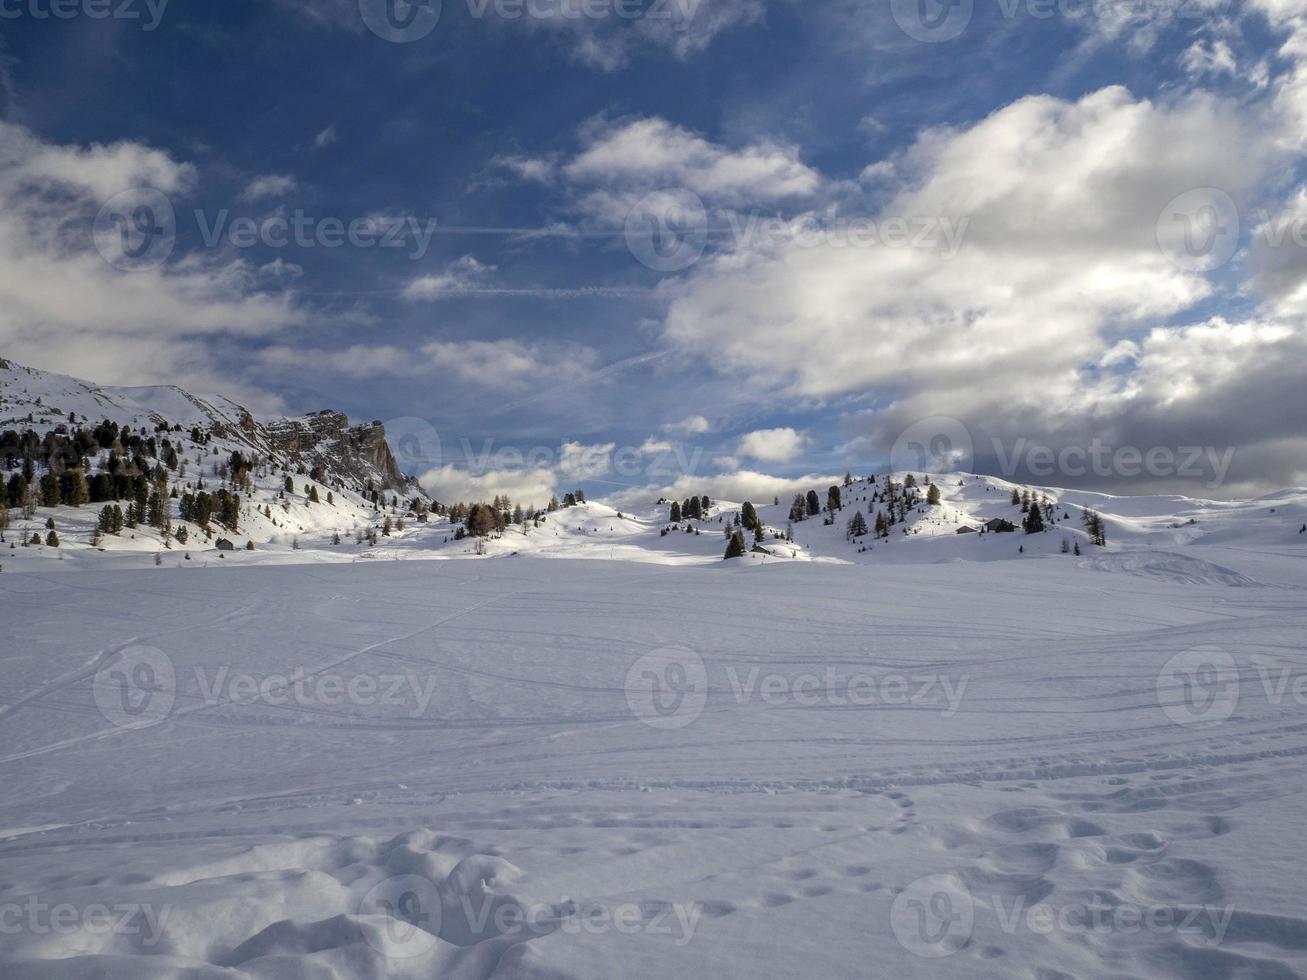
(892, 769)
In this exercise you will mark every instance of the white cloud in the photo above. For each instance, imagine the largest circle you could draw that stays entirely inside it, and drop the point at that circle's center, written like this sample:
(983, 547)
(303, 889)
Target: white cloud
(269, 185)
(540, 170)
(449, 484)
(692, 425)
(772, 445)
(638, 155)
(1215, 58)
(459, 277)
(610, 42)
(577, 461)
(63, 305)
(1059, 201)
(326, 138)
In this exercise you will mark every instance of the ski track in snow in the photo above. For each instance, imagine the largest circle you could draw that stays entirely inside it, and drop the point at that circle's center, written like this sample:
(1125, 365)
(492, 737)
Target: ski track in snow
(794, 835)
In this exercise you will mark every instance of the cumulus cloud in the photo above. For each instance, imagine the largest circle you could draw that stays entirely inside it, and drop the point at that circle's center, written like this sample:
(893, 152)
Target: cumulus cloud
(691, 425)
(62, 303)
(645, 153)
(529, 487)
(772, 445)
(578, 461)
(458, 277)
(1060, 201)
(269, 185)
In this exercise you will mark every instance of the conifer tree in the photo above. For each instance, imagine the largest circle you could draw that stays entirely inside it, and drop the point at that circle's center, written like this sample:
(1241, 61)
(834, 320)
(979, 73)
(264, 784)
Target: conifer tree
(814, 504)
(932, 495)
(735, 547)
(1034, 522)
(858, 525)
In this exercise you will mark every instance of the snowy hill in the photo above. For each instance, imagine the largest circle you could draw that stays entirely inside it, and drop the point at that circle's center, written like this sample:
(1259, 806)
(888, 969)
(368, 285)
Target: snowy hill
(350, 469)
(1152, 535)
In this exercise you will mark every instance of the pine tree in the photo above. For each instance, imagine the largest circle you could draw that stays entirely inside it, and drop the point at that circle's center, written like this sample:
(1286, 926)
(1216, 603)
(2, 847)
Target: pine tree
(313, 495)
(932, 496)
(735, 548)
(798, 509)
(814, 504)
(50, 493)
(1034, 522)
(858, 525)
(749, 516)
(1016, 497)
(52, 539)
(676, 513)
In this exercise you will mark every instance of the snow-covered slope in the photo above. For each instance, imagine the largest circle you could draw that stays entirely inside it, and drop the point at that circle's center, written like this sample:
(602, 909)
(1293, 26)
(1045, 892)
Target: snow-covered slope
(443, 769)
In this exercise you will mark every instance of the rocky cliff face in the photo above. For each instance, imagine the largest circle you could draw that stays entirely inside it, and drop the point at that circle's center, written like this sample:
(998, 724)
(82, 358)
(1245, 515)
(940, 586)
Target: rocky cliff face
(358, 453)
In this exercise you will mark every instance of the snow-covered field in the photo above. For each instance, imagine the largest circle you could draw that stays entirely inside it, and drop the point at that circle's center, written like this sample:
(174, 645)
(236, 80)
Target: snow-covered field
(925, 767)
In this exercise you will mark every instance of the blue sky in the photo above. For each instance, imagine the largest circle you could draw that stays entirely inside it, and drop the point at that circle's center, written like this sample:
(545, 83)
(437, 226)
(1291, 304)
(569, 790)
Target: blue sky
(1031, 300)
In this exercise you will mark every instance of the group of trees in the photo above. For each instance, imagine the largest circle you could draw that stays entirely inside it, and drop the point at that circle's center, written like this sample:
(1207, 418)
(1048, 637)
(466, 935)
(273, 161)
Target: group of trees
(690, 509)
